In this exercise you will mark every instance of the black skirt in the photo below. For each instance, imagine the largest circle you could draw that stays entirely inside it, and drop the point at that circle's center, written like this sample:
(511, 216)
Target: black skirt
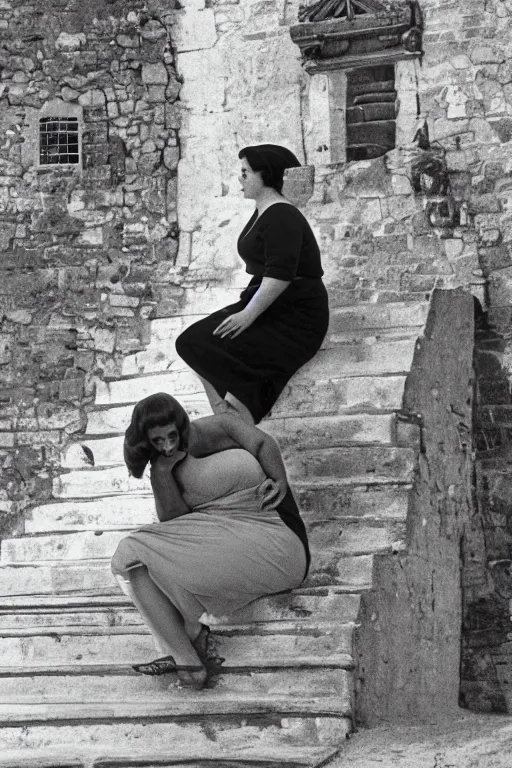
(257, 364)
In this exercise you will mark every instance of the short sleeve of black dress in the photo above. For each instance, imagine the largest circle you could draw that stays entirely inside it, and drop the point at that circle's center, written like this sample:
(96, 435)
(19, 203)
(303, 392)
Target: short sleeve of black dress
(282, 242)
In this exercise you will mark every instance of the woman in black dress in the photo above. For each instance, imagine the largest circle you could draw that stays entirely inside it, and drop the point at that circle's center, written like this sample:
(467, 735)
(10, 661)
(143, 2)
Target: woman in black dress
(247, 352)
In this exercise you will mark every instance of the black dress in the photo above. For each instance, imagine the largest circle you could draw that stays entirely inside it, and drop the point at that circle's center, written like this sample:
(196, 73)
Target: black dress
(256, 365)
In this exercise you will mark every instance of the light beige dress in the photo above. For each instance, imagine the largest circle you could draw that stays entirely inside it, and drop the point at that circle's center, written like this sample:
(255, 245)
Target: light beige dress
(226, 552)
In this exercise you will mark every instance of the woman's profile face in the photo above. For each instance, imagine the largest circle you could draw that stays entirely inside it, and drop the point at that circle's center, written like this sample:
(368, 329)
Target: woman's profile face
(164, 439)
(250, 180)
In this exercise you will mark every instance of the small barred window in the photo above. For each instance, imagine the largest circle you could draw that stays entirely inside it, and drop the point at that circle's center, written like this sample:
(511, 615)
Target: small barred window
(58, 140)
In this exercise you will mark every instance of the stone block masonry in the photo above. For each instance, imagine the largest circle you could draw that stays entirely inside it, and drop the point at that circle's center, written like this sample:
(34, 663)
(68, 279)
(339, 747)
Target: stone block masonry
(88, 249)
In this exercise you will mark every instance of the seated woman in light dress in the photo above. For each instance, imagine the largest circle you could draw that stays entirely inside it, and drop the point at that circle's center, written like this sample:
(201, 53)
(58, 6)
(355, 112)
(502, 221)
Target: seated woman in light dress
(229, 531)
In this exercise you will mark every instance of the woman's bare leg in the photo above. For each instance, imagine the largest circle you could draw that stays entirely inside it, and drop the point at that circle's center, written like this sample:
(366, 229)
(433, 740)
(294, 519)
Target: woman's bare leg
(165, 622)
(217, 404)
(235, 405)
(230, 404)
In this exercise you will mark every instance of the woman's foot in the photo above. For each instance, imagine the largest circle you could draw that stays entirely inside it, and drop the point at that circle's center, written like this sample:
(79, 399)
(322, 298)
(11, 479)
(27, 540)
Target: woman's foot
(195, 679)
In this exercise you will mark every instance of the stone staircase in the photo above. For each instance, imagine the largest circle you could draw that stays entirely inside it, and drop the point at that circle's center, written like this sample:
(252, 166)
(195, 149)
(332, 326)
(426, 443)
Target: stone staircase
(283, 696)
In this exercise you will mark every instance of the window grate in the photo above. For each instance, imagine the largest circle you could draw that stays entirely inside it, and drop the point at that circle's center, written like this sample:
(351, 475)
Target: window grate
(58, 141)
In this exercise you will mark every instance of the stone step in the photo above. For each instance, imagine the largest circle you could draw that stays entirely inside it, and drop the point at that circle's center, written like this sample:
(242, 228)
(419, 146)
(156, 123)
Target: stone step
(237, 728)
(354, 464)
(71, 577)
(162, 357)
(348, 357)
(260, 646)
(116, 610)
(392, 315)
(120, 683)
(351, 463)
(348, 536)
(358, 357)
(160, 354)
(98, 757)
(115, 420)
(333, 502)
(313, 432)
(338, 395)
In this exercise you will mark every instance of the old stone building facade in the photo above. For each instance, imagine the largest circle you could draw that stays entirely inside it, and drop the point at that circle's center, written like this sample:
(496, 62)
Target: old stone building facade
(146, 104)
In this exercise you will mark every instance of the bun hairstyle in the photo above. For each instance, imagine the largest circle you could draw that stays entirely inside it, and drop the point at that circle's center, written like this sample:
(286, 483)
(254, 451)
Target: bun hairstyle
(153, 411)
(271, 160)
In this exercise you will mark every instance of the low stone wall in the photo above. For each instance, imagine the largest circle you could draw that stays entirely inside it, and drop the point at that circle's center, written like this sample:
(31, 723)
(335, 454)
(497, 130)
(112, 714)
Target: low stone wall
(408, 642)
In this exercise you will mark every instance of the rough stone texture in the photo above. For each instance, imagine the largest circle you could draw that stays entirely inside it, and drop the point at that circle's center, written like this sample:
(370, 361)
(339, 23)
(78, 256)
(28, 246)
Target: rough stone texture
(464, 741)
(486, 654)
(79, 245)
(408, 644)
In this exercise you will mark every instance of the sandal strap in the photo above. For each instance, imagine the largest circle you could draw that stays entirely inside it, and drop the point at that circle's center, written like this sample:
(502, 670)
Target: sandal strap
(157, 667)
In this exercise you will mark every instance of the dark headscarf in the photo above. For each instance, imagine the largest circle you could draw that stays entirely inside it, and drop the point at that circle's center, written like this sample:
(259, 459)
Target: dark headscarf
(271, 160)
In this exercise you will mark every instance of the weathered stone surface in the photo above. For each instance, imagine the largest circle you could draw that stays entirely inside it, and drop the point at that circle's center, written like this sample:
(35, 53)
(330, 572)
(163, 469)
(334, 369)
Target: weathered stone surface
(119, 512)
(194, 30)
(140, 738)
(438, 385)
(154, 74)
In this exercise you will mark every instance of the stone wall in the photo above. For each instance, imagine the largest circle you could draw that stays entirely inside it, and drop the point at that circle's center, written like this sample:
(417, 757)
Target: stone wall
(87, 255)
(408, 642)
(486, 671)
(473, 54)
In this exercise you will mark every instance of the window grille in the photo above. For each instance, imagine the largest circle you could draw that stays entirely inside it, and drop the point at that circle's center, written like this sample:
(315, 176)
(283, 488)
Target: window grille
(371, 112)
(58, 141)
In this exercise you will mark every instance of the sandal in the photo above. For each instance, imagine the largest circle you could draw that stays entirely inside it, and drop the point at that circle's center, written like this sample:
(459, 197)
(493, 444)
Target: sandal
(164, 666)
(201, 643)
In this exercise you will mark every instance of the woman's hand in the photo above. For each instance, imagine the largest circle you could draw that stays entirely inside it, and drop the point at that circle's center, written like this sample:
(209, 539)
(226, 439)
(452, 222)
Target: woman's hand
(235, 324)
(170, 461)
(272, 493)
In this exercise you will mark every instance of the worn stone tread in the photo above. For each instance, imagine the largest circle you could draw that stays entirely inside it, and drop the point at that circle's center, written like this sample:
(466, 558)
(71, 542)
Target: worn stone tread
(302, 431)
(182, 704)
(346, 571)
(259, 735)
(260, 628)
(354, 356)
(358, 465)
(98, 757)
(120, 682)
(315, 500)
(359, 536)
(96, 599)
(238, 651)
(370, 315)
(365, 393)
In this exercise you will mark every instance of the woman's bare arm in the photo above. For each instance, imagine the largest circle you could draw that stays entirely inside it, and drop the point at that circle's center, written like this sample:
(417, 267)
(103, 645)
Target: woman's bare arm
(219, 433)
(269, 290)
(169, 502)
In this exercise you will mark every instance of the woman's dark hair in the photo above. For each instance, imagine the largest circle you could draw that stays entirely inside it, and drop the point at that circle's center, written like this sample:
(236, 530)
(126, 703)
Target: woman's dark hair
(271, 161)
(153, 411)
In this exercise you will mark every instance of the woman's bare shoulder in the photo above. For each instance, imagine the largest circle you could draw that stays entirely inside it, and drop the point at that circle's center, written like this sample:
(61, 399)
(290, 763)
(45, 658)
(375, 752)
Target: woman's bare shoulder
(218, 433)
(208, 435)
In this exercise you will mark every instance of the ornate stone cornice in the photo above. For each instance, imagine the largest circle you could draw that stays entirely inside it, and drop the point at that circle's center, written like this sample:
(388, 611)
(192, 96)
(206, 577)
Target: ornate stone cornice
(339, 34)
